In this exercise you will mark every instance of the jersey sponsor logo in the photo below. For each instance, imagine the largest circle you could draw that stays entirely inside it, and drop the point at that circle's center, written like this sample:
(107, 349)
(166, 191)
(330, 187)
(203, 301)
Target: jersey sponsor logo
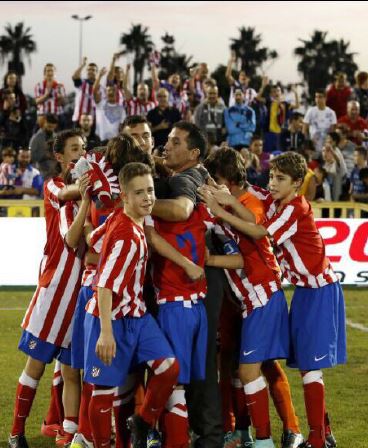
(320, 358)
(96, 372)
(248, 353)
(32, 344)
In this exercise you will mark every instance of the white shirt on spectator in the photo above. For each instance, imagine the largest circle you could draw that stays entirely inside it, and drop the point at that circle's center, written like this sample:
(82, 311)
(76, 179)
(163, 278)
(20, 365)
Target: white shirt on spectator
(320, 122)
(108, 118)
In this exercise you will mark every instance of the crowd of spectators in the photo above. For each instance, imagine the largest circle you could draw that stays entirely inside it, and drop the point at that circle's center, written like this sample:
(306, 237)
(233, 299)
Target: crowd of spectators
(331, 133)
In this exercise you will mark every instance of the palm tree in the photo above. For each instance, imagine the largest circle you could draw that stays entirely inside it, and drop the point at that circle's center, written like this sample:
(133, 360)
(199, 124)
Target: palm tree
(320, 59)
(138, 42)
(247, 49)
(16, 44)
(171, 61)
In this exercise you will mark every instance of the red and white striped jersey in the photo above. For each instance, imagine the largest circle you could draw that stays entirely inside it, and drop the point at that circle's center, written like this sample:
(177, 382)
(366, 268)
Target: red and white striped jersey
(49, 315)
(51, 105)
(84, 101)
(170, 281)
(261, 277)
(122, 267)
(137, 107)
(300, 248)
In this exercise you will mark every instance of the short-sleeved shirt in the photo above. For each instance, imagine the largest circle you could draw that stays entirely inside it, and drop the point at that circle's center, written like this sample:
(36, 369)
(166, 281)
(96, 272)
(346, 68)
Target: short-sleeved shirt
(301, 251)
(254, 284)
(108, 119)
(320, 122)
(122, 267)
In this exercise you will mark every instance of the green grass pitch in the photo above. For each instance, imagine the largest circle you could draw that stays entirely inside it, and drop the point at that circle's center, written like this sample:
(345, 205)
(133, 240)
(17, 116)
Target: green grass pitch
(346, 386)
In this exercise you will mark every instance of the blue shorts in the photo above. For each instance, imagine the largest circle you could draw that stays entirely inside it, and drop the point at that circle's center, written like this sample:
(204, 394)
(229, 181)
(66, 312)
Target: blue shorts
(317, 328)
(186, 330)
(43, 351)
(137, 340)
(85, 293)
(265, 332)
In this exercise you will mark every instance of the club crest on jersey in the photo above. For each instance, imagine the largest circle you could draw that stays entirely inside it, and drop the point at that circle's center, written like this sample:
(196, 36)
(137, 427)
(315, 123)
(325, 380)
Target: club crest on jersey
(32, 344)
(96, 372)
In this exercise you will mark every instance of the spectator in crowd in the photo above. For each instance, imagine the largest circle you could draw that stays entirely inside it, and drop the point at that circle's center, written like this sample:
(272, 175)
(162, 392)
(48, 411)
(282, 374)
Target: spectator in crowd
(333, 163)
(357, 187)
(110, 113)
(141, 104)
(7, 168)
(363, 197)
(338, 94)
(13, 131)
(28, 182)
(50, 96)
(309, 186)
(116, 75)
(86, 127)
(319, 121)
(323, 190)
(137, 127)
(178, 97)
(256, 147)
(277, 109)
(209, 116)
(240, 121)
(195, 85)
(11, 83)
(346, 147)
(162, 118)
(84, 101)
(360, 93)
(355, 124)
(241, 83)
(40, 145)
(252, 166)
(293, 137)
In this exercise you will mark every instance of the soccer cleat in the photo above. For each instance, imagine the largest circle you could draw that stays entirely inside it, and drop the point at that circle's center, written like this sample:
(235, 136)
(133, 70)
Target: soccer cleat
(18, 441)
(50, 430)
(291, 439)
(153, 439)
(330, 441)
(79, 441)
(139, 429)
(63, 439)
(246, 438)
(232, 439)
(265, 443)
(307, 444)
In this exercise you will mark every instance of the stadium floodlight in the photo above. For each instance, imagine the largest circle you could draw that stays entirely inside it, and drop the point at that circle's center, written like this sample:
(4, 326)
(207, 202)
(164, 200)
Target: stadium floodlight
(81, 20)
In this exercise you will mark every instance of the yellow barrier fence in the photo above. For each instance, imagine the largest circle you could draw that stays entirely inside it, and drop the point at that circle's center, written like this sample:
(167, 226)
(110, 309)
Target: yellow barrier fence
(17, 208)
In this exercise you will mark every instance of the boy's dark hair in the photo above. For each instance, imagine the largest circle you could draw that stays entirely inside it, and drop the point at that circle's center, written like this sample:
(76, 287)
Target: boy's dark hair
(195, 139)
(290, 163)
(335, 137)
(62, 137)
(8, 152)
(133, 121)
(52, 118)
(295, 116)
(123, 149)
(132, 170)
(229, 164)
(321, 92)
(254, 138)
(362, 151)
(363, 173)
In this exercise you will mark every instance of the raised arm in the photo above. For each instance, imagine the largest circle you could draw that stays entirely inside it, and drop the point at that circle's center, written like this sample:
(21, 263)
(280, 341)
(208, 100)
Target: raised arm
(228, 73)
(260, 96)
(174, 210)
(96, 85)
(78, 73)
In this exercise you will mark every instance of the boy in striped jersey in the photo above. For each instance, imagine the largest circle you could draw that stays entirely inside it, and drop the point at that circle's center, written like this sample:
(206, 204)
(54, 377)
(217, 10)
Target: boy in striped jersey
(47, 322)
(118, 332)
(264, 335)
(317, 313)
